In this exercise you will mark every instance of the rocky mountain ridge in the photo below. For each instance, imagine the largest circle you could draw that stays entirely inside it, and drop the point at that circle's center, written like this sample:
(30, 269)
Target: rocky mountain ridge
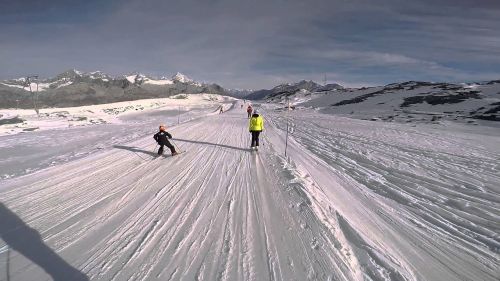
(76, 88)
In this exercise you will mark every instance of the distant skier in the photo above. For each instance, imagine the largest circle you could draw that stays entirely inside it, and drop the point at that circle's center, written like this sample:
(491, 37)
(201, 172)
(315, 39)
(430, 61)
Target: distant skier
(256, 126)
(249, 111)
(221, 110)
(162, 139)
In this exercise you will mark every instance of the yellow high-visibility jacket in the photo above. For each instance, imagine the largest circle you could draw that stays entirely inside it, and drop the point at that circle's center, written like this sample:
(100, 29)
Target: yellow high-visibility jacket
(256, 124)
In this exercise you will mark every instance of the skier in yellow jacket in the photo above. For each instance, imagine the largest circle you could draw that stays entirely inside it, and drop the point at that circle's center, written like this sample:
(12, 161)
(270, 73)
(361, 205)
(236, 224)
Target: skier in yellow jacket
(256, 126)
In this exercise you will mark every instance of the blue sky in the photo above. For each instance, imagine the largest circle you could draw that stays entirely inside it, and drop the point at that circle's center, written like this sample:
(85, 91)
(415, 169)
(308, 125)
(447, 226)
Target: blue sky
(256, 44)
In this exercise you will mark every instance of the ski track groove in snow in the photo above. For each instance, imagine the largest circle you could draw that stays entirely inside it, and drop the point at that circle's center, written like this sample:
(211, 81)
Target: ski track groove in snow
(425, 194)
(350, 203)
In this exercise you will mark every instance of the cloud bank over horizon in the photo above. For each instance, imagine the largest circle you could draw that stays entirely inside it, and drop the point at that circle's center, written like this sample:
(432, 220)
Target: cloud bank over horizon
(256, 44)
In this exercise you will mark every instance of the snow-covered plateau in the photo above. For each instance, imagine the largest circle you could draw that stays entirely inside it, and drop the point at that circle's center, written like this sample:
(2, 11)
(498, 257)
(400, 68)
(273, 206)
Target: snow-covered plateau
(352, 199)
(14, 121)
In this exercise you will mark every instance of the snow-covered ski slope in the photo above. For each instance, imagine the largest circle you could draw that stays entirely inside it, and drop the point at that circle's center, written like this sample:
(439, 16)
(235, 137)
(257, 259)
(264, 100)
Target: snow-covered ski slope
(355, 200)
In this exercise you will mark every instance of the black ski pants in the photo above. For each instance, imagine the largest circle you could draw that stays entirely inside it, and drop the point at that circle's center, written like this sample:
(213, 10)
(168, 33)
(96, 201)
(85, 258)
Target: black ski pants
(167, 144)
(255, 138)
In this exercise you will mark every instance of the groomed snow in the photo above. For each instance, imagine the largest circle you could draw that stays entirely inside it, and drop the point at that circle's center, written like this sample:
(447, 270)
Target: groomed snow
(354, 200)
(51, 118)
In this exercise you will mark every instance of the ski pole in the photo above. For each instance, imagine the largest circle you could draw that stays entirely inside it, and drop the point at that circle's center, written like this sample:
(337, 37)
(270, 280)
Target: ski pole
(176, 145)
(286, 140)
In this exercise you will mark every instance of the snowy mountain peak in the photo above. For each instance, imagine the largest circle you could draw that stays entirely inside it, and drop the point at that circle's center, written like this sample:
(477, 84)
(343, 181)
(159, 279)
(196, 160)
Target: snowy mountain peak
(135, 73)
(139, 79)
(293, 87)
(288, 89)
(71, 74)
(179, 77)
(97, 75)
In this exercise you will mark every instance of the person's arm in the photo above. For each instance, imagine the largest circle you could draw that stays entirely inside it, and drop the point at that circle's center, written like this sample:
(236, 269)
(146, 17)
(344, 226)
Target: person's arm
(168, 135)
(156, 137)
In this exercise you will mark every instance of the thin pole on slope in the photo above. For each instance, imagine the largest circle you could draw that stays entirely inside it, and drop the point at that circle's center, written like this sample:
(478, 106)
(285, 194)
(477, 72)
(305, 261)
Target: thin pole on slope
(37, 110)
(287, 125)
(286, 140)
(7, 271)
(263, 137)
(34, 96)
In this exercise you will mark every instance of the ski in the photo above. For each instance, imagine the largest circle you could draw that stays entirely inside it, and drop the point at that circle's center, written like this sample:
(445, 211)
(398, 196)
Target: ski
(178, 153)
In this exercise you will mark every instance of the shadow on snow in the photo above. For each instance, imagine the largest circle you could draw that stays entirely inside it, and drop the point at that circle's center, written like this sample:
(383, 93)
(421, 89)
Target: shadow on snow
(27, 241)
(212, 144)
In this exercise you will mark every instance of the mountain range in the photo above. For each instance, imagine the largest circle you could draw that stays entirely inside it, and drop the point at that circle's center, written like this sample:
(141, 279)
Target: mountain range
(285, 90)
(76, 88)
(411, 101)
(434, 100)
